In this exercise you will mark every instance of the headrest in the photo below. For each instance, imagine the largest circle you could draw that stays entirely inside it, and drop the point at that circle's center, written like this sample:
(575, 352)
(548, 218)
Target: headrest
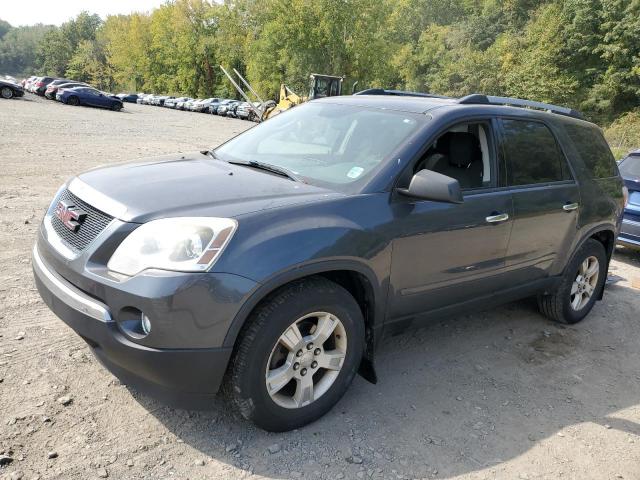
(462, 148)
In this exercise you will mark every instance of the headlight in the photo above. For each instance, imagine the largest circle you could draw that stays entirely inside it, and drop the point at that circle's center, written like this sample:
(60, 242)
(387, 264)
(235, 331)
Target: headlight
(187, 244)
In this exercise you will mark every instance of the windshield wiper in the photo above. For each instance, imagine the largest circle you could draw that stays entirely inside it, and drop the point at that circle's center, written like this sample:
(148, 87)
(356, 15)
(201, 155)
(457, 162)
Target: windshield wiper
(282, 171)
(211, 153)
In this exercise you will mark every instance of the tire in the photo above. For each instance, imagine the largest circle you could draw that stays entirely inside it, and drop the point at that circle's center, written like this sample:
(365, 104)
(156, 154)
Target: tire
(6, 93)
(565, 306)
(116, 107)
(73, 101)
(260, 350)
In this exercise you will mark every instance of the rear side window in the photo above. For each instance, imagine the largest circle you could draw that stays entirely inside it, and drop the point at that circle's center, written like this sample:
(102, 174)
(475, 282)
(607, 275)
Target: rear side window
(532, 154)
(593, 149)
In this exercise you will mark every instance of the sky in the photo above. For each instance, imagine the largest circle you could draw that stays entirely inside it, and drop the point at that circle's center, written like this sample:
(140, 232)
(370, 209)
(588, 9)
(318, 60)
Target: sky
(58, 11)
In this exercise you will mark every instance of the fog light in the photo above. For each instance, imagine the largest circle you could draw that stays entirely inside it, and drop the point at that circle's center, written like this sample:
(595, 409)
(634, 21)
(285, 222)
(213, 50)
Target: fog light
(146, 324)
(133, 323)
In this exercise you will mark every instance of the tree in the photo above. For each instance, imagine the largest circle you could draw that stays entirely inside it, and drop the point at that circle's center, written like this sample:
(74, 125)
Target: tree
(4, 28)
(59, 44)
(18, 49)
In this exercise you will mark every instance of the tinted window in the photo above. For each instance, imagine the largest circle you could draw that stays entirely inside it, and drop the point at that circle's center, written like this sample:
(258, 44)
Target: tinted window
(593, 149)
(532, 154)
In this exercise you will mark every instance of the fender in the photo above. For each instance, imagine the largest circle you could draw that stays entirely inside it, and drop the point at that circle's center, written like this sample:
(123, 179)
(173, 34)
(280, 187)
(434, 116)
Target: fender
(379, 288)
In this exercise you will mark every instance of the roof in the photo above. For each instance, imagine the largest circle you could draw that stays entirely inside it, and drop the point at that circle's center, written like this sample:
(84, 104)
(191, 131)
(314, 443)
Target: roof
(422, 103)
(391, 102)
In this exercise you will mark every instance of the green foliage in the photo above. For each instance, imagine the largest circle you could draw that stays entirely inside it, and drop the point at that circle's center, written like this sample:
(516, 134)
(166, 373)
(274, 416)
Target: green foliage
(4, 28)
(60, 44)
(18, 48)
(624, 134)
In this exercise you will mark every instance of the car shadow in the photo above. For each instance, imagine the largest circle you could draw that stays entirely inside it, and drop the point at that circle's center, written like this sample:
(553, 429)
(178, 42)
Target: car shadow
(459, 395)
(628, 256)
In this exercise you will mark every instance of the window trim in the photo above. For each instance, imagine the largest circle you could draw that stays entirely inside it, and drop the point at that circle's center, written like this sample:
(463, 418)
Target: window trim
(491, 120)
(500, 120)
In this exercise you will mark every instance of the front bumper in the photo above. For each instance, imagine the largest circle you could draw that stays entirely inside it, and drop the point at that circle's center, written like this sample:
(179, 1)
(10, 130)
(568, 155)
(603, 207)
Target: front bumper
(183, 378)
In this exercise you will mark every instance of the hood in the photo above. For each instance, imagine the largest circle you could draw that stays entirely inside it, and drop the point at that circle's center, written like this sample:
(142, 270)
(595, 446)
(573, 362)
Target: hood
(188, 185)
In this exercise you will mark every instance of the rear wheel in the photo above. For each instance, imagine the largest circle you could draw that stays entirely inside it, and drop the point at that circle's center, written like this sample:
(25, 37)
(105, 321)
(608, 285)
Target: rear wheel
(73, 101)
(580, 287)
(297, 356)
(6, 92)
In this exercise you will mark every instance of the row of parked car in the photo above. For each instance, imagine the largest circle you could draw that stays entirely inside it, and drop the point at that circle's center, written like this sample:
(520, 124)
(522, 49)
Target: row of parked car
(71, 92)
(224, 107)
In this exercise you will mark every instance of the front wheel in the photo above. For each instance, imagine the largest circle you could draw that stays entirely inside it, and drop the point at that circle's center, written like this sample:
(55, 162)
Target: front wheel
(6, 92)
(297, 355)
(580, 287)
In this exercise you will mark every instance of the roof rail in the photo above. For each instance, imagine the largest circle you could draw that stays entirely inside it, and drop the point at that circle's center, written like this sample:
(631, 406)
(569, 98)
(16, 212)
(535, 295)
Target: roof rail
(477, 98)
(398, 93)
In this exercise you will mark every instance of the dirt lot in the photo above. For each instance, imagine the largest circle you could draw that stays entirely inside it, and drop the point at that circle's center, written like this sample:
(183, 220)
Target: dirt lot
(498, 394)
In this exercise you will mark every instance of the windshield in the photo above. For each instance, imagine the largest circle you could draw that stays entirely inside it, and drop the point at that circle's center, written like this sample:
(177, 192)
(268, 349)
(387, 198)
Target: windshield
(325, 144)
(630, 166)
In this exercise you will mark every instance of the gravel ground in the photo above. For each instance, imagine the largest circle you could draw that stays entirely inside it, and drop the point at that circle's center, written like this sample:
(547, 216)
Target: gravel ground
(497, 394)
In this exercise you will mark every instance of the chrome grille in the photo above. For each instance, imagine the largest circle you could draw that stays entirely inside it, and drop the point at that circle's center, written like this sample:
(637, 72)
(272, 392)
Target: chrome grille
(94, 222)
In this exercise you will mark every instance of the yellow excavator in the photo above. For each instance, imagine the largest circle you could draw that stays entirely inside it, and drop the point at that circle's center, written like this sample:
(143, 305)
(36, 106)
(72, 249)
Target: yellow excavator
(320, 86)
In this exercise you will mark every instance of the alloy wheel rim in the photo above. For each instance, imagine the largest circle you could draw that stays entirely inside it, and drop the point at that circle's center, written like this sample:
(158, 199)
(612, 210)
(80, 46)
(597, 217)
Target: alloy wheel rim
(7, 93)
(584, 285)
(306, 360)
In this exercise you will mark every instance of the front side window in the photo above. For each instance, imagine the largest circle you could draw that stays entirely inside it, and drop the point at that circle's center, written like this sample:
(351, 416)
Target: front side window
(463, 152)
(326, 144)
(532, 153)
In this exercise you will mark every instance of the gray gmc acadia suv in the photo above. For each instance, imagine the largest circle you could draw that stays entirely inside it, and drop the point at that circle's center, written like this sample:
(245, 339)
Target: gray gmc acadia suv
(276, 263)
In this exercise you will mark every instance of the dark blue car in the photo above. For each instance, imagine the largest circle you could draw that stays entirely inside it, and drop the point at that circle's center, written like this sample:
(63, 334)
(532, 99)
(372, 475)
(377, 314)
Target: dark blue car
(89, 97)
(630, 171)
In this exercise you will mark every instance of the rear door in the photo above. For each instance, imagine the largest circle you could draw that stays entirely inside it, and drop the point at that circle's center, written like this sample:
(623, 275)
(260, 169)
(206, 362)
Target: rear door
(546, 198)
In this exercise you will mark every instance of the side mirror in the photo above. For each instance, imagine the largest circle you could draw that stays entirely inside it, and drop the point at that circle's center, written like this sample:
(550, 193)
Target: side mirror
(429, 185)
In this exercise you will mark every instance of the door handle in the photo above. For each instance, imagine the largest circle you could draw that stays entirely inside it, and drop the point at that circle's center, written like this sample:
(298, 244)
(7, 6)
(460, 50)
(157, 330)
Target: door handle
(570, 207)
(501, 217)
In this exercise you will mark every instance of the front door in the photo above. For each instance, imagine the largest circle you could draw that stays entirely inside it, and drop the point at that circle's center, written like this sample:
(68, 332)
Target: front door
(451, 253)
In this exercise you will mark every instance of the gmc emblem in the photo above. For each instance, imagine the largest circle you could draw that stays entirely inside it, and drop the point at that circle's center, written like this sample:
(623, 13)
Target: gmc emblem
(70, 215)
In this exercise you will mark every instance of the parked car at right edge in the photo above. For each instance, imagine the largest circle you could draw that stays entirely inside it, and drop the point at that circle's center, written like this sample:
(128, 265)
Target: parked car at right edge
(630, 171)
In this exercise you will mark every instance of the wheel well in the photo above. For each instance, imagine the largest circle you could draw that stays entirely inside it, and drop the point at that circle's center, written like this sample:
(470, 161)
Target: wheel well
(607, 238)
(360, 289)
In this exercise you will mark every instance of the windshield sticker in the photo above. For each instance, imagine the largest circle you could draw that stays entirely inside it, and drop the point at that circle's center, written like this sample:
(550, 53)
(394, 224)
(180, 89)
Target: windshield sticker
(355, 172)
